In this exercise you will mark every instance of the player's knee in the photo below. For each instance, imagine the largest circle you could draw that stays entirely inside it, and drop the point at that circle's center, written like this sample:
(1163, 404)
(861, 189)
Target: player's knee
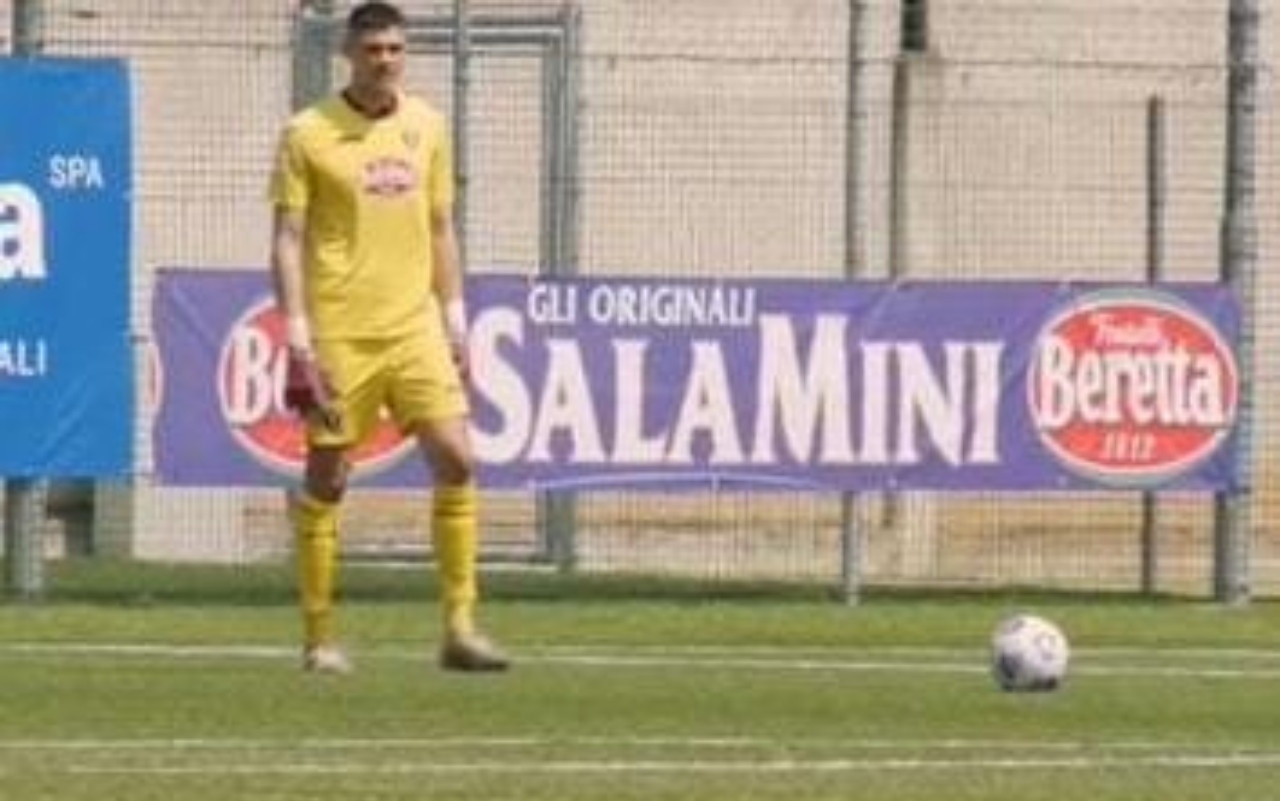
(448, 452)
(455, 467)
(327, 479)
(329, 489)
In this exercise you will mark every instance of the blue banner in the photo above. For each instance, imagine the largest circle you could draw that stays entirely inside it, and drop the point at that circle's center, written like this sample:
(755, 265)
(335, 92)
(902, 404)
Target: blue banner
(599, 383)
(66, 369)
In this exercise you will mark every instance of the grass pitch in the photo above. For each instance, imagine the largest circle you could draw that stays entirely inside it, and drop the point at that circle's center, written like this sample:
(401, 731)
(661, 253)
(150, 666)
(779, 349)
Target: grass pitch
(163, 683)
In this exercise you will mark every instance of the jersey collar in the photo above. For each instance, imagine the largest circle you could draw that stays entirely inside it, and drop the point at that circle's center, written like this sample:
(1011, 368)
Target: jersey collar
(372, 115)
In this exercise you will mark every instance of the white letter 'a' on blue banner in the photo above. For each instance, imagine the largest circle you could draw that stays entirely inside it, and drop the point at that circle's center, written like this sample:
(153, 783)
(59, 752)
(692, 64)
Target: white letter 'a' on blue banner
(66, 180)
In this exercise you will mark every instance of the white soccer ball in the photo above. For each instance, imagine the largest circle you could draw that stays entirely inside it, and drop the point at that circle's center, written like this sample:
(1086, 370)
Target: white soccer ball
(1029, 654)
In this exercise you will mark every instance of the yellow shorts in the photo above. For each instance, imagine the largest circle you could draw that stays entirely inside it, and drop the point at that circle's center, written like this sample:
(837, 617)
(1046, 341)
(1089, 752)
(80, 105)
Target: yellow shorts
(413, 378)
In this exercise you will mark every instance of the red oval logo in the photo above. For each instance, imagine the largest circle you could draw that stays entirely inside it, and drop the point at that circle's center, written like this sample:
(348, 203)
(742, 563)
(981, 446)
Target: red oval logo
(1132, 387)
(251, 376)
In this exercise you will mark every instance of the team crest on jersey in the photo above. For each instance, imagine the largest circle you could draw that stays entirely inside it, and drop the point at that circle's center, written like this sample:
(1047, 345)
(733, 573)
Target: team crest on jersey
(411, 139)
(389, 177)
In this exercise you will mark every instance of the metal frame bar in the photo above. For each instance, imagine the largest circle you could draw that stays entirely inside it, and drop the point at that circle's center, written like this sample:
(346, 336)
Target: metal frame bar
(24, 496)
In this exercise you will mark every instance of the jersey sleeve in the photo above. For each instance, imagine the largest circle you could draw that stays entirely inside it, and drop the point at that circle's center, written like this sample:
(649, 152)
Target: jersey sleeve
(289, 188)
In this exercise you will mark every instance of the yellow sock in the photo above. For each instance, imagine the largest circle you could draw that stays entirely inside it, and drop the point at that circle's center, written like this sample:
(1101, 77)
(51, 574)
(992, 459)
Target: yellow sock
(316, 529)
(453, 532)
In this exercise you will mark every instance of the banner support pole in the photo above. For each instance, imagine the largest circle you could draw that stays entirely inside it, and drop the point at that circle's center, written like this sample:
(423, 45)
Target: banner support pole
(24, 557)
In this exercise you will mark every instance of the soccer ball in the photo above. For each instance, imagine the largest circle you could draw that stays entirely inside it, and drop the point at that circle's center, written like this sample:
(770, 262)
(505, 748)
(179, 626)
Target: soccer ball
(1029, 654)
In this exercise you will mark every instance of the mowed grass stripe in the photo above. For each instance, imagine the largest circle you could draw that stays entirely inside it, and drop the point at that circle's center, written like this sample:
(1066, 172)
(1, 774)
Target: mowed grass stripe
(584, 757)
(1172, 761)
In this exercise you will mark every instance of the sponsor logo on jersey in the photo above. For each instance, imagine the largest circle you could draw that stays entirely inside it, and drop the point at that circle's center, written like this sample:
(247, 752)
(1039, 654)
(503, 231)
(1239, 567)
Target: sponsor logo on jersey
(389, 177)
(1131, 387)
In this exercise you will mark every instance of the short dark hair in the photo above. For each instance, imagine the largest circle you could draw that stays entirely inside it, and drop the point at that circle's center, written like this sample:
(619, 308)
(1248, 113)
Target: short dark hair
(374, 16)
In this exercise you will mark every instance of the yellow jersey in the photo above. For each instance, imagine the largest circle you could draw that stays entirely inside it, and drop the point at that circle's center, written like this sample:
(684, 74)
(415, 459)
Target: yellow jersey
(366, 188)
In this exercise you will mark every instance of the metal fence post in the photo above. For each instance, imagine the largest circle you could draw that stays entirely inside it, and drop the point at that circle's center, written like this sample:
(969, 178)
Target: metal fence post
(312, 51)
(23, 508)
(23, 546)
(1157, 188)
(461, 146)
(1233, 509)
(855, 265)
(28, 27)
(557, 511)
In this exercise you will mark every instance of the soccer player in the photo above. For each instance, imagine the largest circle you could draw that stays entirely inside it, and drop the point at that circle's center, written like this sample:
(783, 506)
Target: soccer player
(366, 272)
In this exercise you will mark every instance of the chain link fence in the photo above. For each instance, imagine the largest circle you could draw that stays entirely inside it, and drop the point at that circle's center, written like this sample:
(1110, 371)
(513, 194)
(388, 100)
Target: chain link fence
(952, 139)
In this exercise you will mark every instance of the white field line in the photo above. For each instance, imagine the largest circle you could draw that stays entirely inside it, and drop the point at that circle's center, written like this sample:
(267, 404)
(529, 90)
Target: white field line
(936, 755)
(234, 650)
(920, 651)
(977, 665)
(351, 756)
(309, 744)
(754, 766)
(719, 658)
(150, 650)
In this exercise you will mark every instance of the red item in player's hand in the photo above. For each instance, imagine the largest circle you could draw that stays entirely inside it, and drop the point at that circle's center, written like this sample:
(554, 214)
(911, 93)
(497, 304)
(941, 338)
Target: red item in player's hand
(307, 391)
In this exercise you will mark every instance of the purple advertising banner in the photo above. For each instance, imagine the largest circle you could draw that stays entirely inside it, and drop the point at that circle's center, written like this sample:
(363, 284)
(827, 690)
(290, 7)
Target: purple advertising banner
(645, 383)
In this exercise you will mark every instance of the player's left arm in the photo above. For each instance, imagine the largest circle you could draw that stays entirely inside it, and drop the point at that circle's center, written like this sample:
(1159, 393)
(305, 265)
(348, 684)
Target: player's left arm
(446, 259)
(447, 282)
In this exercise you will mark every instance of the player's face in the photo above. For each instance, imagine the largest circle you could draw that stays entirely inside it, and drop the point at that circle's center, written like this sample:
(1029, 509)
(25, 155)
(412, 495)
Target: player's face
(377, 60)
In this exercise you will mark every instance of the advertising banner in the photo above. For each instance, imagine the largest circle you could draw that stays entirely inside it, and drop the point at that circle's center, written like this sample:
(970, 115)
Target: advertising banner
(613, 383)
(66, 368)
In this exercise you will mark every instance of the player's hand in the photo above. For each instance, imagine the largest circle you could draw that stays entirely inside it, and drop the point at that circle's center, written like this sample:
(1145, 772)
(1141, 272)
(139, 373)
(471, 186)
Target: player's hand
(307, 391)
(455, 326)
(461, 359)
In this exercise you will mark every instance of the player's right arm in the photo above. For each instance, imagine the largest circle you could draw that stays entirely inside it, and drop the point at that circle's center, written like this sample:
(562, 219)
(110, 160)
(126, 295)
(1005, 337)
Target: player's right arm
(290, 195)
(287, 232)
(306, 389)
